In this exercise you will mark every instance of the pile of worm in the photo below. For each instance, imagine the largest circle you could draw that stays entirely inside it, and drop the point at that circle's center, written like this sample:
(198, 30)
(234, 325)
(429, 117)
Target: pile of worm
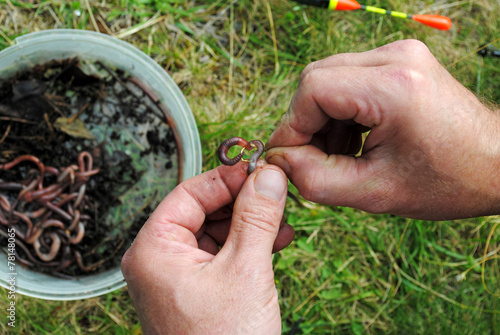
(48, 212)
(76, 139)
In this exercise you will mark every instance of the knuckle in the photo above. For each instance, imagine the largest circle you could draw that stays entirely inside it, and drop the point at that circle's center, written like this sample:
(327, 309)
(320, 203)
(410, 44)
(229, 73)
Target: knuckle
(307, 70)
(129, 262)
(313, 71)
(311, 79)
(409, 77)
(410, 48)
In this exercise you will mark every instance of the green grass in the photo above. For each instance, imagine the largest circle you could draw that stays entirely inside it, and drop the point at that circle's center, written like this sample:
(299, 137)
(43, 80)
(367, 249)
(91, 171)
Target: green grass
(346, 271)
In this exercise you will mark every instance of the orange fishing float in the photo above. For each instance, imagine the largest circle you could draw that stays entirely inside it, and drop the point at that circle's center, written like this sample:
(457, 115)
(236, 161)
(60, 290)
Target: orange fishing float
(434, 21)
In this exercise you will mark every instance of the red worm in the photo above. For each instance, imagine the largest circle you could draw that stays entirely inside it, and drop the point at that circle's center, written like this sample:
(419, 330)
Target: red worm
(231, 142)
(58, 210)
(65, 260)
(228, 144)
(52, 170)
(4, 203)
(49, 236)
(256, 155)
(38, 229)
(3, 219)
(22, 159)
(36, 214)
(69, 171)
(79, 262)
(79, 234)
(30, 187)
(81, 194)
(75, 221)
(54, 247)
(81, 161)
(66, 198)
(86, 174)
(11, 186)
(56, 189)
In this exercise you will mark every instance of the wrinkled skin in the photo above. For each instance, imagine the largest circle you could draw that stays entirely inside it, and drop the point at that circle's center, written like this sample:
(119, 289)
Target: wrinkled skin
(179, 280)
(433, 151)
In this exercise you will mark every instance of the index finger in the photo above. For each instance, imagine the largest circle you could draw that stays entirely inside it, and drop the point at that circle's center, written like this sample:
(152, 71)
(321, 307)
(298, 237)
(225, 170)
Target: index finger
(325, 94)
(180, 215)
(357, 87)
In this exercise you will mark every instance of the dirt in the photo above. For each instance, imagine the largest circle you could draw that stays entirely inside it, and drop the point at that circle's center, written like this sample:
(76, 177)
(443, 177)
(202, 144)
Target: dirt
(56, 111)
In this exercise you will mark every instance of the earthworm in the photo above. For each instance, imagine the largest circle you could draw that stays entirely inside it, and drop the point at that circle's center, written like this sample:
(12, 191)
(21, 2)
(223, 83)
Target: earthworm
(54, 248)
(65, 261)
(3, 219)
(38, 229)
(31, 186)
(11, 186)
(231, 142)
(79, 262)
(66, 198)
(248, 146)
(53, 195)
(36, 214)
(25, 219)
(52, 170)
(20, 159)
(85, 174)
(58, 210)
(79, 198)
(256, 155)
(6, 206)
(4, 203)
(227, 144)
(69, 171)
(33, 195)
(79, 235)
(29, 158)
(32, 260)
(81, 161)
(76, 220)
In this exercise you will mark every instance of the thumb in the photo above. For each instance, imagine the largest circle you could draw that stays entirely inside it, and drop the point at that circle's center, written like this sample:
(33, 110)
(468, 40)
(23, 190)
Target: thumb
(337, 180)
(257, 214)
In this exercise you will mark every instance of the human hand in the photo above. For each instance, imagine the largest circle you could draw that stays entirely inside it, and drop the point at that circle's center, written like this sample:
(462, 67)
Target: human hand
(433, 151)
(179, 280)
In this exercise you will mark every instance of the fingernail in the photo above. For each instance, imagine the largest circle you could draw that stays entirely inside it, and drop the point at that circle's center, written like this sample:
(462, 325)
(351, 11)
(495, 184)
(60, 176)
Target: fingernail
(270, 183)
(279, 161)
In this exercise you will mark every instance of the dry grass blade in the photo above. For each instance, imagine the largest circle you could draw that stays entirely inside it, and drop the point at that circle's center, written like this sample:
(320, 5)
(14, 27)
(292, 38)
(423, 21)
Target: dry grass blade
(136, 29)
(483, 265)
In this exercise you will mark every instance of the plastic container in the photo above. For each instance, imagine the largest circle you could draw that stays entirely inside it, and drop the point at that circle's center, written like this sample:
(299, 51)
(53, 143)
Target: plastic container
(40, 47)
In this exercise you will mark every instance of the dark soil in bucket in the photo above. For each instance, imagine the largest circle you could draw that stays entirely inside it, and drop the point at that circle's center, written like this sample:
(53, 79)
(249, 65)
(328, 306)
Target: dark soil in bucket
(86, 154)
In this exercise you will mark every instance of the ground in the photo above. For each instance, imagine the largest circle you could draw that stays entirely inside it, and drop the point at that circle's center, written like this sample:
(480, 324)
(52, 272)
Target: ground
(238, 64)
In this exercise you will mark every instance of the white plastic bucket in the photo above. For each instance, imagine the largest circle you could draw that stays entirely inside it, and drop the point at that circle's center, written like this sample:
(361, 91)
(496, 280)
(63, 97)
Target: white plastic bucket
(41, 47)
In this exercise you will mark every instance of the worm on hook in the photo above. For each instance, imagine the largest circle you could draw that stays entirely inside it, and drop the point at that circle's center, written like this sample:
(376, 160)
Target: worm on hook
(248, 146)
